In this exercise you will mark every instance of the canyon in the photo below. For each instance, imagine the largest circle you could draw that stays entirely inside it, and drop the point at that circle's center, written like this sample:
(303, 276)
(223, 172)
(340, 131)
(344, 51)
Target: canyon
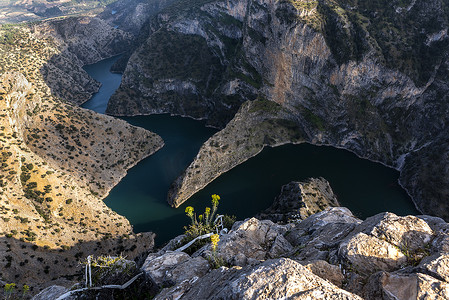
(370, 78)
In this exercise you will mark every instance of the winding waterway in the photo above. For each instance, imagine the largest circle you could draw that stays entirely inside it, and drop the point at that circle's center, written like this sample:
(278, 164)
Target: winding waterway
(364, 187)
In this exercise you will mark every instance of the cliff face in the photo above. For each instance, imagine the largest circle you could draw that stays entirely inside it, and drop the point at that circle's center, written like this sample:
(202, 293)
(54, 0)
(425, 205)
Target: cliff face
(131, 15)
(367, 77)
(57, 163)
(76, 42)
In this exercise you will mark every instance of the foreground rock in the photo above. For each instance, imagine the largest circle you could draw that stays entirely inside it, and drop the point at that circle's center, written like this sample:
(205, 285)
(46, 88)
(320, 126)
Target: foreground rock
(273, 279)
(329, 255)
(299, 200)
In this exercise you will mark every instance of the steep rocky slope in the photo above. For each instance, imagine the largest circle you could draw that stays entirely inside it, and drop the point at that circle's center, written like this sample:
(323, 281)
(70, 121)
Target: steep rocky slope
(58, 161)
(77, 42)
(131, 15)
(367, 77)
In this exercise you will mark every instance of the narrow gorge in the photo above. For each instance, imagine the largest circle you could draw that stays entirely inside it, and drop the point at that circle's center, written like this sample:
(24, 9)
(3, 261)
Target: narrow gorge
(321, 124)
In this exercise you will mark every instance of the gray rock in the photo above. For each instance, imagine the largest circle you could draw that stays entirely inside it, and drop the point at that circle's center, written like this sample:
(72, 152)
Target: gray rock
(368, 254)
(334, 215)
(251, 240)
(174, 267)
(280, 247)
(388, 286)
(316, 236)
(51, 293)
(326, 271)
(408, 233)
(273, 279)
(441, 243)
(437, 266)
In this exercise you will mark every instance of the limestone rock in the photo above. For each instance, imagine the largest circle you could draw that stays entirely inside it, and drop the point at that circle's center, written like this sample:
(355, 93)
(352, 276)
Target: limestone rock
(337, 222)
(174, 267)
(52, 292)
(437, 266)
(388, 286)
(431, 288)
(368, 254)
(273, 279)
(280, 247)
(252, 240)
(299, 200)
(409, 233)
(318, 237)
(326, 271)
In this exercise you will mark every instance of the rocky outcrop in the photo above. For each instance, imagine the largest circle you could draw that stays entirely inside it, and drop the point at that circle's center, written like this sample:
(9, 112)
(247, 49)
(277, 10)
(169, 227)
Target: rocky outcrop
(173, 268)
(253, 241)
(329, 255)
(273, 279)
(336, 77)
(299, 200)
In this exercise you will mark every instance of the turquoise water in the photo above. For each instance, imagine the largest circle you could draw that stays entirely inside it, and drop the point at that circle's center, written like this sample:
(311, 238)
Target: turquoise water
(365, 187)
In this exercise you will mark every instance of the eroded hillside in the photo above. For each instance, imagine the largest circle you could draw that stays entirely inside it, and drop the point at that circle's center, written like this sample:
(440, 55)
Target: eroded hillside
(57, 163)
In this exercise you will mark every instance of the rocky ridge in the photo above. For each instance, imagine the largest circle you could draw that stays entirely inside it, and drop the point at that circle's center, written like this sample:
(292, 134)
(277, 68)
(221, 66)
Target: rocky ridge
(333, 72)
(77, 42)
(58, 162)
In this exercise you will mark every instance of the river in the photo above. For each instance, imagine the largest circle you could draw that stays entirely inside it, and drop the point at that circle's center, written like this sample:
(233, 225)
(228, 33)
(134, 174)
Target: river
(363, 186)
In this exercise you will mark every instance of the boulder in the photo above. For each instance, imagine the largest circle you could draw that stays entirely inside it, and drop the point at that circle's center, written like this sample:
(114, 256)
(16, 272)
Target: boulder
(174, 267)
(436, 266)
(338, 221)
(273, 279)
(367, 254)
(280, 247)
(326, 271)
(319, 236)
(386, 286)
(409, 233)
(251, 241)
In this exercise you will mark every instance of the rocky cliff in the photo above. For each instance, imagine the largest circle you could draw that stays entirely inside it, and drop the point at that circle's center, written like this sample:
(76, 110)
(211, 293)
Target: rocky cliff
(367, 77)
(76, 42)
